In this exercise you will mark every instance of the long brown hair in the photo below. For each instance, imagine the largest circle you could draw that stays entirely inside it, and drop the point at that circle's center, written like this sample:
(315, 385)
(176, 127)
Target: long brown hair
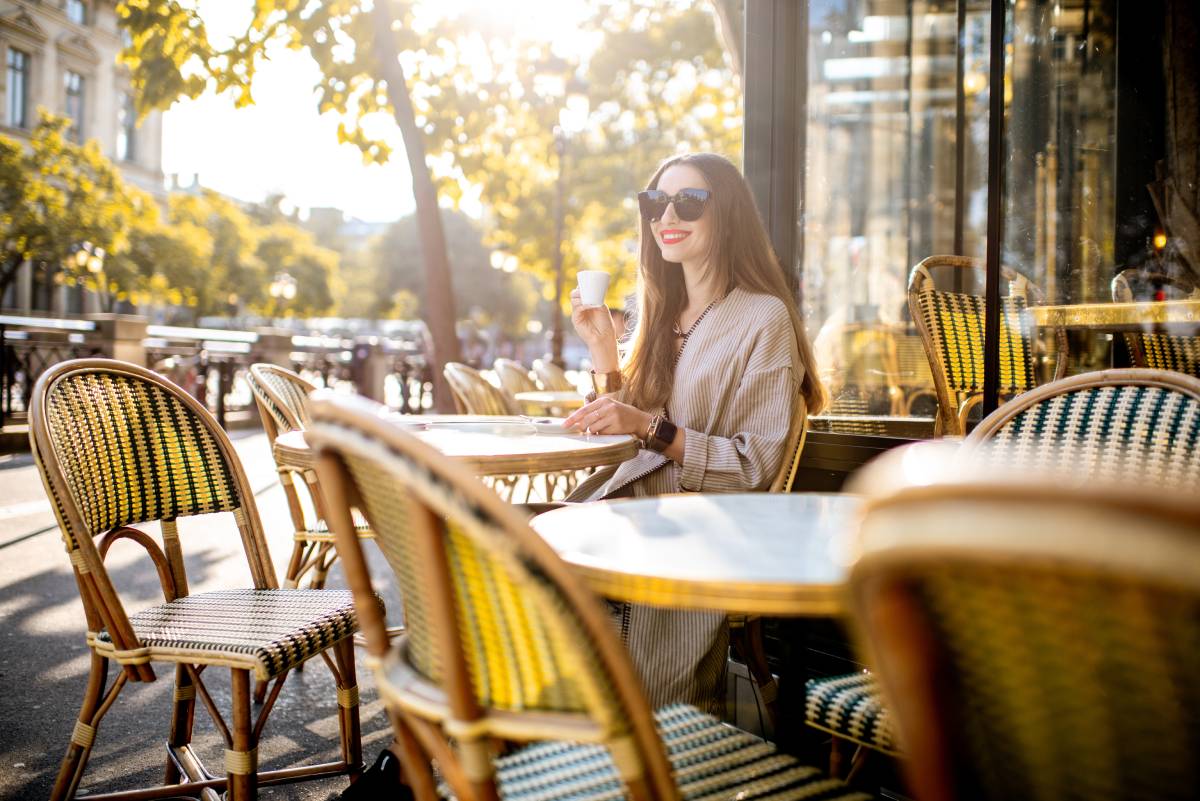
(740, 256)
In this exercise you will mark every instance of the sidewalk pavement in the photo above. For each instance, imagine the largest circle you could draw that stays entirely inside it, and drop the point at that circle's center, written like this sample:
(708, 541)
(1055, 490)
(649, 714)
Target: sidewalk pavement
(44, 657)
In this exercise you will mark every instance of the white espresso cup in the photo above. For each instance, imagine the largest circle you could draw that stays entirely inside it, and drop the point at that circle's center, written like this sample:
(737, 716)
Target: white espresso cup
(592, 286)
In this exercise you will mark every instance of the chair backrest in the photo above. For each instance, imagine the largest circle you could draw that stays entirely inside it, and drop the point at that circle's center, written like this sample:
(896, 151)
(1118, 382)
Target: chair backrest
(797, 434)
(551, 377)
(519, 646)
(951, 324)
(513, 377)
(1179, 352)
(1033, 642)
(473, 394)
(118, 445)
(1111, 424)
(282, 398)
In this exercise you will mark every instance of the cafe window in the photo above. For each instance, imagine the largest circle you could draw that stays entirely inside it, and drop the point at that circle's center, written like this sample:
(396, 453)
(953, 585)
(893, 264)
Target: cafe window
(126, 128)
(17, 86)
(75, 86)
(894, 196)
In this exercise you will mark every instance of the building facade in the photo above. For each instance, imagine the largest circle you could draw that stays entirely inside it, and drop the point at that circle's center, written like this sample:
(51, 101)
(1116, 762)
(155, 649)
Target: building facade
(61, 55)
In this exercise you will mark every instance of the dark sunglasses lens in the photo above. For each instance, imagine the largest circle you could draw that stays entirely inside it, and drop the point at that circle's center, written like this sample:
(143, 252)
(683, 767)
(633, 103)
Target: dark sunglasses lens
(689, 205)
(653, 203)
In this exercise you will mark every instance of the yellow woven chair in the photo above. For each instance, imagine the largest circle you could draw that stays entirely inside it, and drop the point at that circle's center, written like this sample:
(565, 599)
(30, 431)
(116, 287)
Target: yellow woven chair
(1178, 352)
(506, 643)
(119, 446)
(282, 400)
(474, 394)
(951, 326)
(1035, 638)
(1108, 426)
(551, 377)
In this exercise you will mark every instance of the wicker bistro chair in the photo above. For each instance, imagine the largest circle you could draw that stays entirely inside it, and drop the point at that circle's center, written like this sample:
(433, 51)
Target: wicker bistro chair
(505, 642)
(551, 377)
(1104, 425)
(1158, 349)
(474, 394)
(118, 446)
(282, 399)
(745, 631)
(1034, 641)
(514, 377)
(951, 326)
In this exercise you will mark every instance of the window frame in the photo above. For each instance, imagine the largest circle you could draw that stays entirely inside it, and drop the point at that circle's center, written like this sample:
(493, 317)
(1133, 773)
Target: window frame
(77, 131)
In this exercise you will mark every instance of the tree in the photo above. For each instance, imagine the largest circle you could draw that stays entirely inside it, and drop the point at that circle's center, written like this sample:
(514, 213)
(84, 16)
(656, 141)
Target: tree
(283, 247)
(54, 197)
(233, 268)
(488, 296)
(170, 56)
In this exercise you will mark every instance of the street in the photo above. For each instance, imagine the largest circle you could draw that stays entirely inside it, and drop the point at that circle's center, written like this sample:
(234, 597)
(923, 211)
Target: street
(44, 656)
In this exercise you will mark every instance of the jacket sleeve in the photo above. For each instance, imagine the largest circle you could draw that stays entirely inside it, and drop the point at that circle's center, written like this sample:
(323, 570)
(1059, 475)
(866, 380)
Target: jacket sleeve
(763, 404)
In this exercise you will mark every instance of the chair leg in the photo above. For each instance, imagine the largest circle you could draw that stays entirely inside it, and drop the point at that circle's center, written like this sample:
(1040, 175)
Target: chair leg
(241, 762)
(349, 725)
(71, 770)
(182, 716)
(755, 655)
(836, 757)
(861, 755)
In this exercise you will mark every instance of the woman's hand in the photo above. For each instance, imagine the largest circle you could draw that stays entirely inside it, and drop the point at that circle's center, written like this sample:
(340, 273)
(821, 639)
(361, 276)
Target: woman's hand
(607, 416)
(592, 323)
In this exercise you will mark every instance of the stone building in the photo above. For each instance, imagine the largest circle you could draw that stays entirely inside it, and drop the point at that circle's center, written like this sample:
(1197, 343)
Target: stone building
(62, 55)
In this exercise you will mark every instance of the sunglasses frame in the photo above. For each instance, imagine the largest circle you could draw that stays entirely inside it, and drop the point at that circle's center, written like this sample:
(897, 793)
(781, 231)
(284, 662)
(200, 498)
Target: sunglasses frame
(652, 203)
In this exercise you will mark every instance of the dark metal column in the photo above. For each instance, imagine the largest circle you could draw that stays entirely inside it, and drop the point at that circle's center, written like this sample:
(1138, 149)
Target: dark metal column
(995, 218)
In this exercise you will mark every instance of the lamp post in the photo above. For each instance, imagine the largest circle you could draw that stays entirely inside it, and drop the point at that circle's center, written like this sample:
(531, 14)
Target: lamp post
(572, 119)
(281, 289)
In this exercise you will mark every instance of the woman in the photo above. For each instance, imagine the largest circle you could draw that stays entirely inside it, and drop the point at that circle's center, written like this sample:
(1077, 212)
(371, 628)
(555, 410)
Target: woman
(716, 365)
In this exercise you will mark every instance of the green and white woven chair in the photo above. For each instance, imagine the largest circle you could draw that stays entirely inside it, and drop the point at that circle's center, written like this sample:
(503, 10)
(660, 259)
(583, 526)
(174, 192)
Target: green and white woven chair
(119, 446)
(1037, 635)
(506, 643)
(1109, 425)
(1178, 352)
(951, 326)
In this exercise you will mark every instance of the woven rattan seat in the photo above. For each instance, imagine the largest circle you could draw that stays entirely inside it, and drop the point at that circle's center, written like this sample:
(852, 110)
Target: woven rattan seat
(505, 642)
(852, 708)
(119, 446)
(709, 760)
(267, 631)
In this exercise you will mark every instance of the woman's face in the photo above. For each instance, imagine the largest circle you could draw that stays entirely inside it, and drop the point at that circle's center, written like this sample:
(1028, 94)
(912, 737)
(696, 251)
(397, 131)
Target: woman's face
(680, 241)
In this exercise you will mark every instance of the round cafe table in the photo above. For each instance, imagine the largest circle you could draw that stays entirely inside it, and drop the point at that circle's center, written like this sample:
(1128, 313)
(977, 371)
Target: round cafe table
(781, 554)
(492, 446)
(550, 400)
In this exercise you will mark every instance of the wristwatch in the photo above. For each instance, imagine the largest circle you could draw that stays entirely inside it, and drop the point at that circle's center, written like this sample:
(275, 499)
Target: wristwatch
(660, 433)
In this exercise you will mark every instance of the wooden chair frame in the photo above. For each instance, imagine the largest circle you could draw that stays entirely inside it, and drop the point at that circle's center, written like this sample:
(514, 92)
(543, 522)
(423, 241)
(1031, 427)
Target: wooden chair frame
(428, 713)
(105, 612)
(952, 415)
(514, 377)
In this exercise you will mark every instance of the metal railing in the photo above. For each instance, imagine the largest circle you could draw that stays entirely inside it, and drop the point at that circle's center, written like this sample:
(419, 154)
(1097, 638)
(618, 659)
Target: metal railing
(211, 364)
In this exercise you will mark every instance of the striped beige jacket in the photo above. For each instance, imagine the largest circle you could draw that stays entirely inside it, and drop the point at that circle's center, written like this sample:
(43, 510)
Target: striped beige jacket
(737, 381)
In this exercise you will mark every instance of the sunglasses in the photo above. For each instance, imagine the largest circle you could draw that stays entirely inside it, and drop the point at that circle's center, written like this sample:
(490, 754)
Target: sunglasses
(689, 204)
